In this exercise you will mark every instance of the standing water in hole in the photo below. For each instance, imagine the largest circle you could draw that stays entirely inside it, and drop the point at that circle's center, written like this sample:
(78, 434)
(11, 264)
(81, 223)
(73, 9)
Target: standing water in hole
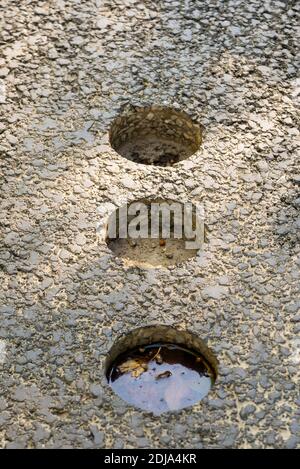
(160, 377)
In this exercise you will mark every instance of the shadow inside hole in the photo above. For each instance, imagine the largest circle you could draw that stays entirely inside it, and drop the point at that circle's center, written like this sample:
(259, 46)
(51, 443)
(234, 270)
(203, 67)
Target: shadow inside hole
(155, 135)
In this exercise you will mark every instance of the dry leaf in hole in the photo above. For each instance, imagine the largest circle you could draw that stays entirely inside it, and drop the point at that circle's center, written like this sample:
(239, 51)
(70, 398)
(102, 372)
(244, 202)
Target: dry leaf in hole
(138, 371)
(136, 367)
(165, 374)
(157, 357)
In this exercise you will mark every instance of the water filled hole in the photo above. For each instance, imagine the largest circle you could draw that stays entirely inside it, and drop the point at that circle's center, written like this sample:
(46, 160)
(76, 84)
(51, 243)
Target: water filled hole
(180, 232)
(155, 135)
(160, 369)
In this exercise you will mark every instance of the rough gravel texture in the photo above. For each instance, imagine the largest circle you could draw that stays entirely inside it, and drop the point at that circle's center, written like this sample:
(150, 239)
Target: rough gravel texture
(67, 69)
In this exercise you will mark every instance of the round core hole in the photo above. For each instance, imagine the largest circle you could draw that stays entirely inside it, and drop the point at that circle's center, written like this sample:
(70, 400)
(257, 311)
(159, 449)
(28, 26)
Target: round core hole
(155, 135)
(180, 233)
(159, 369)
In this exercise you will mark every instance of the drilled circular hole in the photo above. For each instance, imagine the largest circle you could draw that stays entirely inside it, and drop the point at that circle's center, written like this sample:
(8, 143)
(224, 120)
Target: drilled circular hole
(160, 369)
(155, 233)
(155, 135)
